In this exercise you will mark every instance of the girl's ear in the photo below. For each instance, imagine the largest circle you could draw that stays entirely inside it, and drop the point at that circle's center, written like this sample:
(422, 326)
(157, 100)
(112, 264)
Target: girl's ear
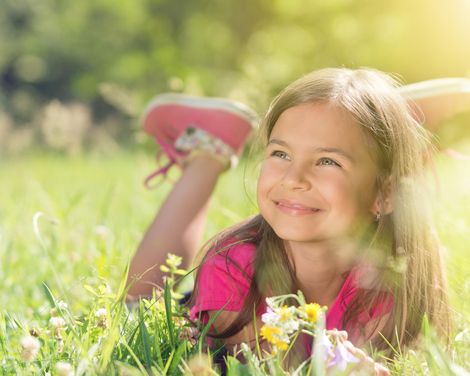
(383, 203)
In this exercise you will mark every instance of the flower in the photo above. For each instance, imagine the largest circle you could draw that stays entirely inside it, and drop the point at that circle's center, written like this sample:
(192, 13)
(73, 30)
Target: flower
(275, 336)
(312, 310)
(100, 313)
(199, 365)
(283, 317)
(62, 305)
(102, 316)
(189, 334)
(57, 322)
(269, 333)
(342, 356)
(64, 369)
(173, 261)
(326, 345)
(285, 313)
(30, 347)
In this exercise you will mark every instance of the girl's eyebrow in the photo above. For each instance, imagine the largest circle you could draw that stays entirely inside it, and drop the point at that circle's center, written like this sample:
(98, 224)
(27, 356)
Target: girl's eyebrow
(319, 149)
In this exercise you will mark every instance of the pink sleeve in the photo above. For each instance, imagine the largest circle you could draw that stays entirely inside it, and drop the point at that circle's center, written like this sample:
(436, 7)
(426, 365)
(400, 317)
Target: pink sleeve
(224, 280)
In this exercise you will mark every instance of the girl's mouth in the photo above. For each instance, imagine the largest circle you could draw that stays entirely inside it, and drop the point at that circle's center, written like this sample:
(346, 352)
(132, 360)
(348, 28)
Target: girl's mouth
(294, 208)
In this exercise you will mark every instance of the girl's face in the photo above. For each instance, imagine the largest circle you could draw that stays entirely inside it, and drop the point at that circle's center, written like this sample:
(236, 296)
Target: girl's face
(317, 180)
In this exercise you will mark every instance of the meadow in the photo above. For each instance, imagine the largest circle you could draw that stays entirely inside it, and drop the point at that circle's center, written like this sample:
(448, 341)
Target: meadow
(68, 226)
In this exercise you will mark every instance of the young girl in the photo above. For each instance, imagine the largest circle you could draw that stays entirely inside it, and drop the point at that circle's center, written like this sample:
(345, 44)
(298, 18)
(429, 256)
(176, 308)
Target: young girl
(343, 213)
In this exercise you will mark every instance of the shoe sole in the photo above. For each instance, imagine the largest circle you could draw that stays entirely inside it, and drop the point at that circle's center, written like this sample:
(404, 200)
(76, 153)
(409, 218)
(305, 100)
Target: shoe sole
(234, 107)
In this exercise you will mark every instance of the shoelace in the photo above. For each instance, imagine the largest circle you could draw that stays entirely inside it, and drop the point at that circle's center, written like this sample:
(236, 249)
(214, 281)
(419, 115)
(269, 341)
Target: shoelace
(162, 170)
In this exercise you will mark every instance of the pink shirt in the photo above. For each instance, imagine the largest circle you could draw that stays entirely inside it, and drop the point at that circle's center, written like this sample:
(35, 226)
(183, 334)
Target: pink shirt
(223, 284)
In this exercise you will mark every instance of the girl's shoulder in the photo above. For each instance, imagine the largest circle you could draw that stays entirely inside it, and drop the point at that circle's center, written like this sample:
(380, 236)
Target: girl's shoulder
(231, 253)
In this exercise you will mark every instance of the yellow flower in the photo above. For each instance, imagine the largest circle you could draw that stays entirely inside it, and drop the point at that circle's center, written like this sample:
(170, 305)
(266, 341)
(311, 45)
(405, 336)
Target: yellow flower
(281, 345)
(311, 310)
(269, 333)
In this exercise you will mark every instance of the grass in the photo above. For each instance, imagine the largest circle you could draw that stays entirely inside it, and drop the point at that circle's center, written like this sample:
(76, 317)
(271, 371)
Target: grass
(68, 226)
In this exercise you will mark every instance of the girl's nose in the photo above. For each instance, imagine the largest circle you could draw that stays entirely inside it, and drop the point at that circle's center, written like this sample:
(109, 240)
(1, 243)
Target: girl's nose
(296, 177)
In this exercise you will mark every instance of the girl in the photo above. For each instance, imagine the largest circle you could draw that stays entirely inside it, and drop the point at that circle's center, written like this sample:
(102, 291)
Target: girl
(343, 215)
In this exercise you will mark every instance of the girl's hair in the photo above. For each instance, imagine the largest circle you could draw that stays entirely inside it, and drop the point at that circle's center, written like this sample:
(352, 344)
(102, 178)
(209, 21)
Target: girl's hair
(403, 244)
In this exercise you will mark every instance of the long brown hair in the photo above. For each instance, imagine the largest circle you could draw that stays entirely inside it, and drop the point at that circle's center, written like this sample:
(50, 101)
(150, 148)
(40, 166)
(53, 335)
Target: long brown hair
(403, 244)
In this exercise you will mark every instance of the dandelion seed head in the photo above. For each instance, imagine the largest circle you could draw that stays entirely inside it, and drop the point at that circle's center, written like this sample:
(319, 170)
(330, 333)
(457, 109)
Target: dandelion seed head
(64, 369)
(30, 348)
(200, 365)
(102, 231)
(57, 322)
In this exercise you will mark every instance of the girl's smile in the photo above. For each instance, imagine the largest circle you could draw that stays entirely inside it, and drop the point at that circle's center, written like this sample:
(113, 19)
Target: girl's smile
(295, 208)
(317, 180)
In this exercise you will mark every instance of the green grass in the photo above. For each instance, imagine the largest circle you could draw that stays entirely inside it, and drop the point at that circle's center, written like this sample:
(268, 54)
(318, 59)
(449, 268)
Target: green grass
(93, 213)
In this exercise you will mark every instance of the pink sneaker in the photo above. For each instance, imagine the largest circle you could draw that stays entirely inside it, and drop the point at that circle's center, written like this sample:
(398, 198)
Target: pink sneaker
(183, 124)
(434, 101)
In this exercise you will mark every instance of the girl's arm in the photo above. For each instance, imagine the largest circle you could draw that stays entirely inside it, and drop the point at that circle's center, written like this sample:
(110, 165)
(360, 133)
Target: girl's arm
(246, 335)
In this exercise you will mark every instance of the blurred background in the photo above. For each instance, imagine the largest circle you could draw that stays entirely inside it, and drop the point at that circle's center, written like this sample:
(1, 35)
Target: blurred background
(75, 75)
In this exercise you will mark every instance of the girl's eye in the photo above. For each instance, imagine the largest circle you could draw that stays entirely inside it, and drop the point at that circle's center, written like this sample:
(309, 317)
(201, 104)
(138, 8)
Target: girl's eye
(328, 162)
(279, 154)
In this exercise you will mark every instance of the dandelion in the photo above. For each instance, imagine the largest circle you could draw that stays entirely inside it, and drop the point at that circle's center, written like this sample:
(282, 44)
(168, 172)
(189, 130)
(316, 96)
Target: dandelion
(269, 332)
(102, 231)
(200, 365)
(64, 369)
(58, 324)
(312, 310)
(30, 347)
(275, 336)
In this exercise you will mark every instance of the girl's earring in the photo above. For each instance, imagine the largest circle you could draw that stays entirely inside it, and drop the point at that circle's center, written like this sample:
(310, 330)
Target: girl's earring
(377, 216)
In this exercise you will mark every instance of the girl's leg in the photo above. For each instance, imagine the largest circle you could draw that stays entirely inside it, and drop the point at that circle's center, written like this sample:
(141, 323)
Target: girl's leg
(202, 135)
(435, 101)
(178, 226)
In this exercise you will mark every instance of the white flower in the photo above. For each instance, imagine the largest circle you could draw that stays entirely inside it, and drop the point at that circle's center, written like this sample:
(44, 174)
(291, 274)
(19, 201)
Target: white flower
(102, 231)
(62, 305)
(30, 347)
(64, 369)
(270, 317)
(57, 322)
(101, 313)
(270, 303)
(283, 318)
